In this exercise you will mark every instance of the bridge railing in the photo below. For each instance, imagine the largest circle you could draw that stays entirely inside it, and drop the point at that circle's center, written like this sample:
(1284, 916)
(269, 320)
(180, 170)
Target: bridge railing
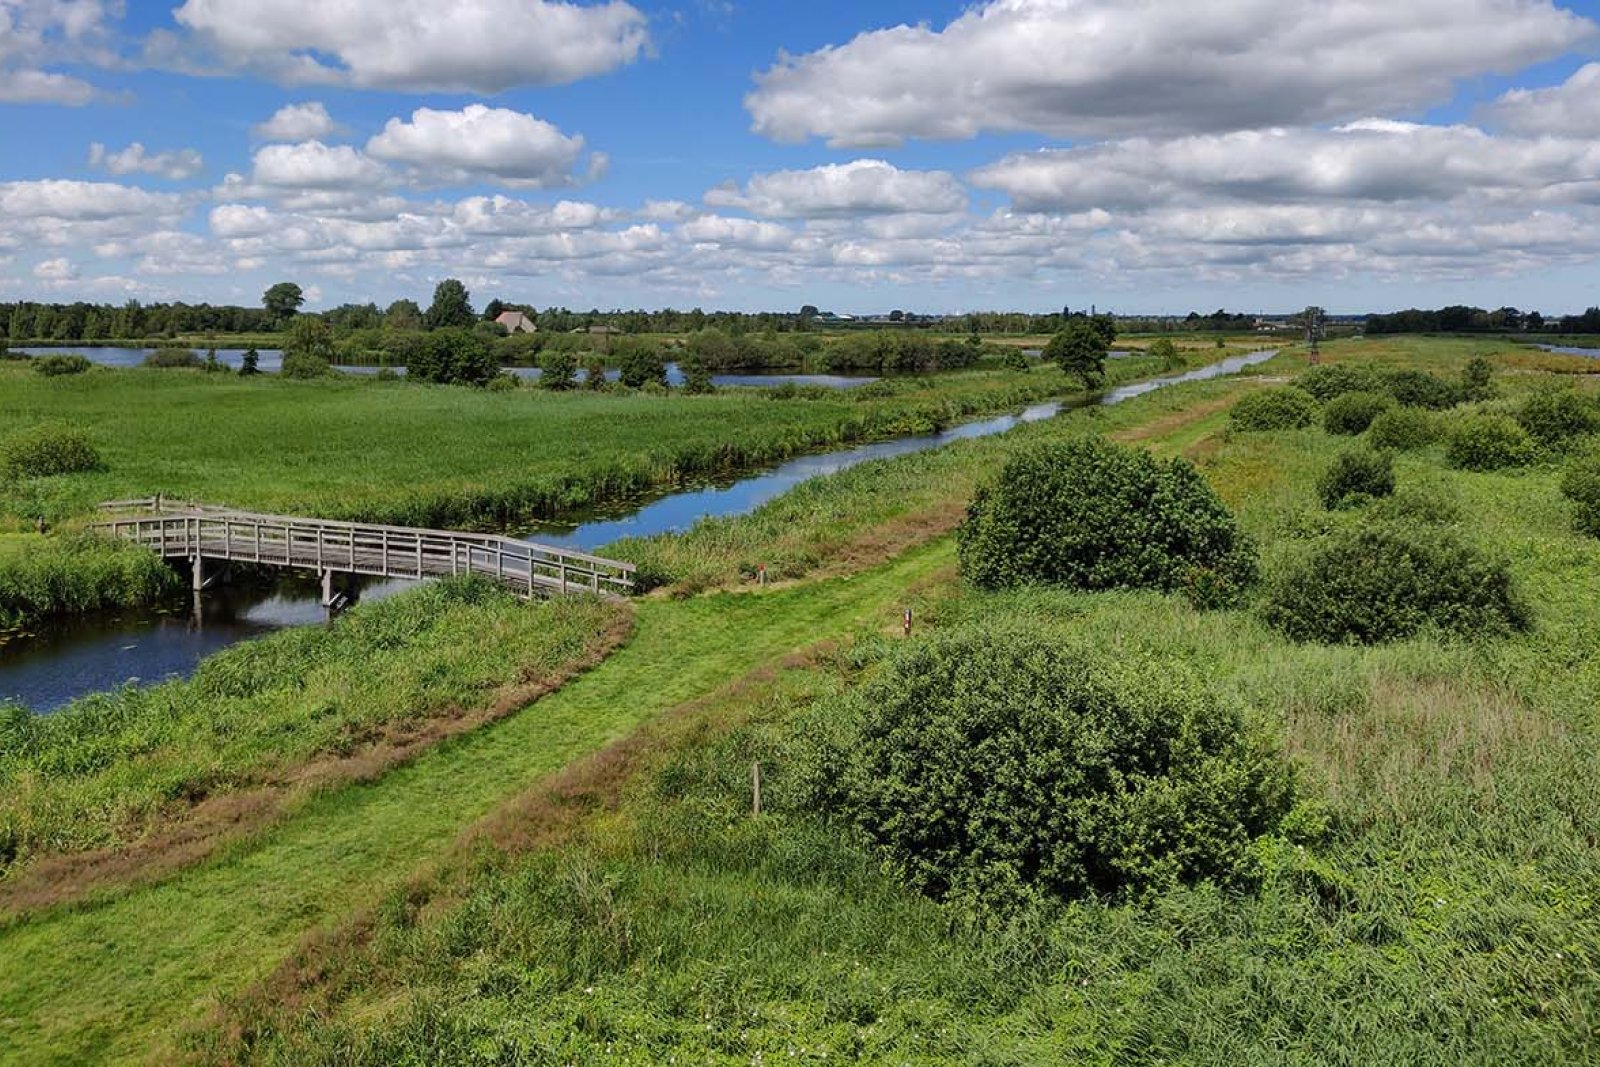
(368, 549)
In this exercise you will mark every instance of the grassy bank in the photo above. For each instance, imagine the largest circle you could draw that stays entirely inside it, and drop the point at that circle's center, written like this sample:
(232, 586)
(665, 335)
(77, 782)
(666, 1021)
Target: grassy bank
(1436, 903)
(42, 576)
(265, 722)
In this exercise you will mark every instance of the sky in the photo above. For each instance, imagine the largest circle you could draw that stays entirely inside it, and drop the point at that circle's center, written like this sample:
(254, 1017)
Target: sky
(1142, 156)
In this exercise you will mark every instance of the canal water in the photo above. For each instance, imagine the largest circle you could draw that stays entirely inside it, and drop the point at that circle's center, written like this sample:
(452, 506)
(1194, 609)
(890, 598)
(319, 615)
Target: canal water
(47, 669)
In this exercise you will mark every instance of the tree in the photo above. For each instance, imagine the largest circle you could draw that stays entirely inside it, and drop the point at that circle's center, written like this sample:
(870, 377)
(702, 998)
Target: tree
(594, 373)
(1080, 350)
(251, 364)
(308, 349)
(696, 375)
(558, 368)
(403, 315)
(452, 356)
(282, 301)
(493, 309)
(642, 365)
(452, 306)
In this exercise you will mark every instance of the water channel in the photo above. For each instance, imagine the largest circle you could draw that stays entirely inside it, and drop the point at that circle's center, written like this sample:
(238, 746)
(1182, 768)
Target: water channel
(47, 668)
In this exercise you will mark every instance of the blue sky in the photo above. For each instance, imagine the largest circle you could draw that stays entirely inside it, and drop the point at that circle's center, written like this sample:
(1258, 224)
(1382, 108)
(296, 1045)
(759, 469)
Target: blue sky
(1137, 154)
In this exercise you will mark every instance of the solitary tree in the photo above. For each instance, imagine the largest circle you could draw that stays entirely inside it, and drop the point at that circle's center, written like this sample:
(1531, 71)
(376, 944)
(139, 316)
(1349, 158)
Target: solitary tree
(308, 350)
(1080, 350)
(452, 306)
(251, 364)
(282, 301)
(403, 315)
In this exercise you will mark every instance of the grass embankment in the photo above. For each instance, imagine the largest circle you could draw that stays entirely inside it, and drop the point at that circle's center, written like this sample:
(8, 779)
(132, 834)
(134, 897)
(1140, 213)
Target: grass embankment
(422, 455)
(41, 576)
(1442, 908)
(115, 980)
(139, 780)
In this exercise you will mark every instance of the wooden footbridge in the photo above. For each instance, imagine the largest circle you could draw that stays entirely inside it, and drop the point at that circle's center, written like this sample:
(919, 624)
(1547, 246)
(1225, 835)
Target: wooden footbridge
(199, 533)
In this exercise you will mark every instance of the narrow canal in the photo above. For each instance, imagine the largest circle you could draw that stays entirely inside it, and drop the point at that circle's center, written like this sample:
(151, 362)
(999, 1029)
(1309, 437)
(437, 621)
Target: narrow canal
(48, 668)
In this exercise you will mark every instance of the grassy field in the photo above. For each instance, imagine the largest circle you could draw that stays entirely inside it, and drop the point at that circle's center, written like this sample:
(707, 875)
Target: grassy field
(1435, 903)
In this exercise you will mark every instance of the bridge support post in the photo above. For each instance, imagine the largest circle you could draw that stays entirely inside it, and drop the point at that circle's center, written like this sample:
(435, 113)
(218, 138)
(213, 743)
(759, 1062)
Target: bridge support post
(327, 589)
(199, 571)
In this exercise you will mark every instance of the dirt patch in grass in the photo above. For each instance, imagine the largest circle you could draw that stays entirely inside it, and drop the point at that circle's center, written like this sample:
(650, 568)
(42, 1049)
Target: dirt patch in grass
(1177, 420)
(212, 822)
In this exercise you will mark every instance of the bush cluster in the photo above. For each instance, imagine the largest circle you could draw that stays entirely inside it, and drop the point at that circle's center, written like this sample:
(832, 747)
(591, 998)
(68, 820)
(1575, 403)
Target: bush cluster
(1352, 413)
(172, 358)
(1092, 515)
(1403, 429)
(1489, 442)
(47, 450)
(1380, 583)
(1336, 379)
(57, 366)
(1581, 485)
(1419, 389)
(995, 767)
(1355, 478)
(1274, 409)
(1554, 415)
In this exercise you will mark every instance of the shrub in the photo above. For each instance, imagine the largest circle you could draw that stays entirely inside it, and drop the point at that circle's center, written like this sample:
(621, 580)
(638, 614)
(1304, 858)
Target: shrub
(50, 449)
(452, 356)
(594, 373)
(1488, 442)
(1581, 485)
(1336, 379)
(1274, 409)
(1352, 413)
(1163, 349)
(1403, 429)
(641, 365)
(304, 365)
(504, 383)
(58, 366)
(1014, 360)
(558, 369)
(1092, 515)
(251, 364)
(1381, 583)
(1419, 389)
(994, 768)
(1477, 380)
(1553, 415)
(696, 375)
(172, 358)
(1356, 477)
(1418, 503)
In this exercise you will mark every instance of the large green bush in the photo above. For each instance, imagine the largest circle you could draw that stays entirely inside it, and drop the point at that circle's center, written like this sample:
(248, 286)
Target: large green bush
(1356, 477)
(1489, 442)
(1403, 429)
(49, 449)
(58, 366)
(1381, 583)
(1553, 415)
(1419, 389)
(994, 767)
(1274, 409)
(1093, 515)
(172, 358)
(1581, 485)
(1352, 413)
(1336, 379)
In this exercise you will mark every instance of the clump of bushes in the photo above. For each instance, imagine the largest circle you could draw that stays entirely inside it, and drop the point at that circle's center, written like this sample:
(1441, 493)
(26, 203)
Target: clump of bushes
(1477, 380)
(304, 365)
(1419, 389)
(1352, 413)
(1357, 477)
(1426, 504)
(47, 450)
(1336, 379)
(1092, 515)
(1403, 429)
(172, 358)
(1382, 582)
(1554, 415)
(558, 369)
(1014, 360)
(1581, 485)
(1274, 409)
(1163, 349)
(1489, 442)
(58, 366)
(997, 767)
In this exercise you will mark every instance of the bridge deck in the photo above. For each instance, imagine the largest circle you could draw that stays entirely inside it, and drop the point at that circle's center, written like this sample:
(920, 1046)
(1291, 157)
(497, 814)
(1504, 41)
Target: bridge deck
(197, 532)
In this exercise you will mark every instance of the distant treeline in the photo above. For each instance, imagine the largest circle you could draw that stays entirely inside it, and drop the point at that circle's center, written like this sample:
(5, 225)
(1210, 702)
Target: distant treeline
(1459, 318)
(103, 322)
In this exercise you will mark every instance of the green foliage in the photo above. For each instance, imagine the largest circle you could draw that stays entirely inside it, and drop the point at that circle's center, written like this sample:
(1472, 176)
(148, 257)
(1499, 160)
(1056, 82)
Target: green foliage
(1403, 429)
(282, 301)
(1352, 413)
(1274, 409)
(643, 365)
(1332, 380)
(1014, 360)
(308, 349)
(1419, 389)
(1477, 380)
(72, 575)
(1555, 414)
(558, 369)
(250, 364)
(49, 449)
(451, 307)
(213, 365)
(696, 375)
(1356, 477)
(1427, 504)
(1378, 583)
(594, 373)
(449, 356)
(504, 383)
(172, 359)
(60, 366)
(1092, 515)
(303, 366)
(1166, 351)
(1489, 442)
(1580, 483)
(996, 767)
(1080, 351)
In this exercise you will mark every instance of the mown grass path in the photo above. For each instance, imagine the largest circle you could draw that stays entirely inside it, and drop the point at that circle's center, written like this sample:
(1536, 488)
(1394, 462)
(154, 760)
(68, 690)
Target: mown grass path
(116, 981)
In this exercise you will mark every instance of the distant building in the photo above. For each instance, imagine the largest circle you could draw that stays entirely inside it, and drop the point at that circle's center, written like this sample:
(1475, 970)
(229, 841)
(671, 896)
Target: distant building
(516, 322)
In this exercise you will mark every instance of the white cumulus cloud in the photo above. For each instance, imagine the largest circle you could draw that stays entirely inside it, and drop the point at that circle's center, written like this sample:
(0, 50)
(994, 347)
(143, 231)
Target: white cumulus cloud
(298, 122)
(483, 143)
(176, 165)
(1570, 109)
(1115, 67)
(481, 46)
(37, 33)
(861, 187)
